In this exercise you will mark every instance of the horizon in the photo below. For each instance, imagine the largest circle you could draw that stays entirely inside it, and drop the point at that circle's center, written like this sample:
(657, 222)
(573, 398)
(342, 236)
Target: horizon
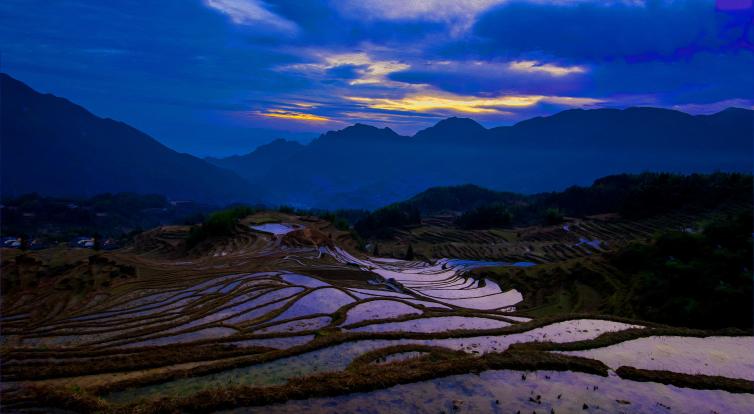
(317, 135)
(259, 70)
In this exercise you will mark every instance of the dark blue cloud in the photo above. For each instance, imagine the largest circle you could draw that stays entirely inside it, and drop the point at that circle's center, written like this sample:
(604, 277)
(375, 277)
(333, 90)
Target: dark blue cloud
(344, 72)
(196, 80)
(490, 79)
(704, 77)
(607, 30)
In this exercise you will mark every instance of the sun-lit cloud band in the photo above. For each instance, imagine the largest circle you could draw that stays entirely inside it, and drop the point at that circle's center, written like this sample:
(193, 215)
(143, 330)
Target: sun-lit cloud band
(368, 70)
(467, 104)
(533, 66)
(297, 116)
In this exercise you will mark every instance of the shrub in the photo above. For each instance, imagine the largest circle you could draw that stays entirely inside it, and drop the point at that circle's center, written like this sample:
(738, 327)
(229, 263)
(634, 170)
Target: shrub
(219, 224)
(699, 280)
(380, 223)
(286, 209)
(553, 216)
(486, 216)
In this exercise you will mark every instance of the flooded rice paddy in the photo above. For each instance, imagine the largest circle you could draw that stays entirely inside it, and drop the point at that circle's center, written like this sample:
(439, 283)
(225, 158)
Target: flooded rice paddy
(731, 357)
(292, 310)
(277, 229)
(507, 391)
(338, 357)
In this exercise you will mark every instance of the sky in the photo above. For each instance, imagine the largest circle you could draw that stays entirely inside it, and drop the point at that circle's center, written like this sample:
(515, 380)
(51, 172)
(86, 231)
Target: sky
(220, 77)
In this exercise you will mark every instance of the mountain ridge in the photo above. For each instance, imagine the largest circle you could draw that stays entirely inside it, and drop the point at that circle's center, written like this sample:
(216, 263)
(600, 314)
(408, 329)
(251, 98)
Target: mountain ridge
(56, 147)
(362, 166)
(540, 154)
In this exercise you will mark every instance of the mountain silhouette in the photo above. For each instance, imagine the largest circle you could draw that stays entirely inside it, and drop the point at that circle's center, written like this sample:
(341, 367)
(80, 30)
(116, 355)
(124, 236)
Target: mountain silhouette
(52, 146)
(257, 163)
(451, 130)
(363, 166)
(55, 147)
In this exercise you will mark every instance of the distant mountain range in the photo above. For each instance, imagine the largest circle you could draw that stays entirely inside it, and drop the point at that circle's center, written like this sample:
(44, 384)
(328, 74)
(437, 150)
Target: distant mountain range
(55, 147)
(257, 163)
(364, 166)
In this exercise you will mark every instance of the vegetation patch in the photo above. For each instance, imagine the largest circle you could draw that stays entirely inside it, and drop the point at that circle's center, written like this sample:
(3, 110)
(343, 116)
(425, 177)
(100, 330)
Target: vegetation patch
(696, 381)
(218, 224)
(701, 279)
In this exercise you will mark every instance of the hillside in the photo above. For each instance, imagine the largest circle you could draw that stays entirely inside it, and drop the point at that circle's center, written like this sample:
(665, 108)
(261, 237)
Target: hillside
(632, 196)
(55, 147)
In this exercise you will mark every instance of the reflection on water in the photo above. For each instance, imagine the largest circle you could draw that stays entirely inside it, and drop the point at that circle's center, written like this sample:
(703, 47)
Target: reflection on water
(276, 228)
(516, 391)
(436, 324)
(338, 357)
(731, 357)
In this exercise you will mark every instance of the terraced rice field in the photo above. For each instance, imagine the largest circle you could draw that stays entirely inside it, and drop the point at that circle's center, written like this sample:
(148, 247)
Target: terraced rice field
(269, 318)
(438, 237)
(505, 391)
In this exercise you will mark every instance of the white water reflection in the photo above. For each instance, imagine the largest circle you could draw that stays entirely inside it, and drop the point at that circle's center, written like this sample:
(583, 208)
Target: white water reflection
(276, 228)
(507, 391)
(725, 356)
(443, 280)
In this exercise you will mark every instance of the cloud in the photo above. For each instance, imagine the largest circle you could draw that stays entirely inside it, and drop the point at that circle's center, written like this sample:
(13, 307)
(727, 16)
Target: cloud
(421, 59)
(533, 66)
(460, 14)
(297, 116)
(606, 30)
(478, 77)
(432, 100)
(714, 107)
(358, 67)
(305, 104)
(252, 13)
(702, 78)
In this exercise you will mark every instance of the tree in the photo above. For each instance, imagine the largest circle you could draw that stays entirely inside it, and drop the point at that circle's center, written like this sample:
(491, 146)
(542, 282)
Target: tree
(553, 216)
(485, 216)
(410, 252)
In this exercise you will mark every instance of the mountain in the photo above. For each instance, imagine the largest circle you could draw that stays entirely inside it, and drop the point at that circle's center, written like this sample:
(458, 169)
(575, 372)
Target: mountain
(450, 131)
(255, 164)
(632, 129)
(364, 166)
(354, 166)
(361, 134)
(55, 147)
